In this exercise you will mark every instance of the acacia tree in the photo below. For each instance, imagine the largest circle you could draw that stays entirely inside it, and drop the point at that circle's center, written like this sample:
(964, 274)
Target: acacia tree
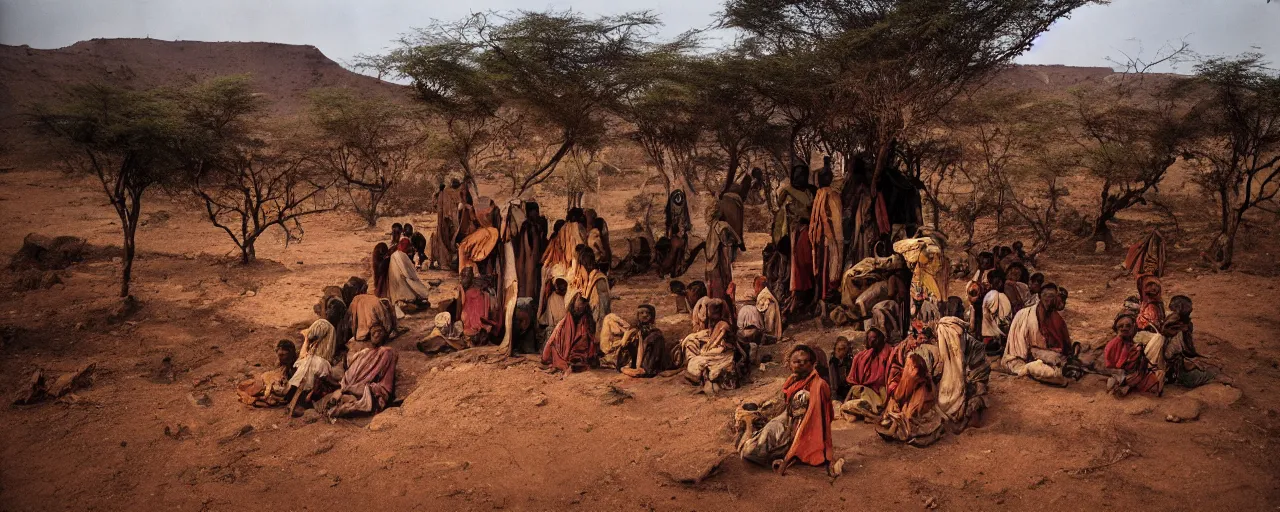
(367, 143)
(127, 140)
(1238, 153)
(560, 69)
(897, 62)
(1128, 133)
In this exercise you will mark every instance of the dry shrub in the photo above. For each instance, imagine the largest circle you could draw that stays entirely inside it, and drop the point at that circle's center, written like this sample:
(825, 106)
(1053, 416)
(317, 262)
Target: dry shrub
(416, 194)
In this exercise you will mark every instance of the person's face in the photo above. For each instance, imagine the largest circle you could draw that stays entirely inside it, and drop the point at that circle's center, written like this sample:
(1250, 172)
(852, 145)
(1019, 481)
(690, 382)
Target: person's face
(282, 356)
(713, 316)
(1182, 308)
(1152, 290)
(874, 340)
(1035, 286)
(986, 263)
(1051, 300)
(1015, 274)
(408, 230)
(842, 348)
(801, 364)
(562, 287)
(1126, 328)
(997, 283)
(580, 307)
(643, 316)
(467, 280)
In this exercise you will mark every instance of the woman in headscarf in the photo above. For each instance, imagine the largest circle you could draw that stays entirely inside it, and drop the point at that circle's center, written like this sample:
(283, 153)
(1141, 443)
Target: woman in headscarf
(272, 387)
(381, 268)
(911, 415)
(403, 278)
(368, 385)
(572, 345)
(314, 362)
(1133, 371)
(1151, 312)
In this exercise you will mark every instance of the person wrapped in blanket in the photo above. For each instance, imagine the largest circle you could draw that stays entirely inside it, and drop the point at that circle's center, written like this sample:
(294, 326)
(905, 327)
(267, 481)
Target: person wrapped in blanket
(800, 427)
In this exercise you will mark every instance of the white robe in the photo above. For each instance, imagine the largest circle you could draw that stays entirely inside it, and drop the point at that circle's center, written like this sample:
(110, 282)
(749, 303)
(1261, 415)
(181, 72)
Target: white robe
(402, 279)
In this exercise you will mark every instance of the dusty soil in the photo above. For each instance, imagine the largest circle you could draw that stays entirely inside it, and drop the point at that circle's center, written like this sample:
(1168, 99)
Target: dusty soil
(479, 432)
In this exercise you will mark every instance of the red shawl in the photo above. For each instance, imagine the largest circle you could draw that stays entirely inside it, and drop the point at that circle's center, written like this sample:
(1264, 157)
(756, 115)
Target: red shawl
(898, 360)
(572, 346)
(1150, 312)
(1054, 330)
(405, 246)
(812, 442)
(870, 369)
(1122, 354)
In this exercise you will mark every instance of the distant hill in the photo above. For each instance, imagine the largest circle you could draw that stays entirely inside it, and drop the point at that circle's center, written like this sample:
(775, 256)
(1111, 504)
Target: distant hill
(283, 72)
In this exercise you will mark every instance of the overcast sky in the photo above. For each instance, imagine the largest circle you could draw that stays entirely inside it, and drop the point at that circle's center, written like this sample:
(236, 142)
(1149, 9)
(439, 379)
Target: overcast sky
(343, 29)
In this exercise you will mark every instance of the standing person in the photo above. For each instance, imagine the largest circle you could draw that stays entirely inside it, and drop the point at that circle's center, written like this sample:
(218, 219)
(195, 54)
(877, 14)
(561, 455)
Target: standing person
(722, 249)
(770, 310)
(596, 240)
(865, 211)
(801, 429)
(792, 221)
(678, 227)
(381, 269)
(826, 234)
(444, 248)
(396, 232)
(730, 204)
(528, 245)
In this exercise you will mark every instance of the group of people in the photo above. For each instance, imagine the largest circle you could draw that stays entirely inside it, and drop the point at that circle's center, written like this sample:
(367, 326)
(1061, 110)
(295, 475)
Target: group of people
(855, 257)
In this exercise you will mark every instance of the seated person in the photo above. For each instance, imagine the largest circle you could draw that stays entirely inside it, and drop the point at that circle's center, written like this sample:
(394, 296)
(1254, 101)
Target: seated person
(639, 258)
(770, 310)
(396, 231)
(315, 359)
(475, 311)
(1173, 349)
(368, 385)
(552, 304)
(1131, 370)
(800, 430)
(910, 414)
(417, 245)
(525, 337)
(1039, 344)
(366, 312)
(1150, 303)
(272, 387)
(997, 313)
(838, 368)
(613, 332)
(712, 354)
(445, 336)
(572, 347)
(962, 386)
(750, 325)
(402, 279)
(1034, 284)
(868, 373)
(644, 350)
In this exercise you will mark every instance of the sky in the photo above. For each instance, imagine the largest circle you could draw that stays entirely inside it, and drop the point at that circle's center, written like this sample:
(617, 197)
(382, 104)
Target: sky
(343, 29)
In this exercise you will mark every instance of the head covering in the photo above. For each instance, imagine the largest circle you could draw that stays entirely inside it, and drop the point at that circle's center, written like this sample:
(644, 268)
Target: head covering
(443, 319)
(404, 246)
(318, 340)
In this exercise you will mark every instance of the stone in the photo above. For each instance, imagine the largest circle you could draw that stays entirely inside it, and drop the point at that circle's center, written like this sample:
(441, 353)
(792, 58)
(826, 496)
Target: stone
(250, 293)
(1216, 394)
(540, 401)
(1180, 409)
(199, 399)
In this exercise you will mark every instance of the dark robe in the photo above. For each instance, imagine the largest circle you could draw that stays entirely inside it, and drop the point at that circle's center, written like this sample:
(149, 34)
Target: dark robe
(649, 353)
(572, 346)
(528, 245)
(678, 225)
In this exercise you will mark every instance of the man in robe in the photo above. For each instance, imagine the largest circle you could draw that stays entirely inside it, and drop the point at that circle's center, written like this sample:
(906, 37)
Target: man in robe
(592, 284)
(1016, 287)
(367, 386)
(272, 387)
(1147, 256)
(679, 224)
(996, 313)
(777, 271)
(528, 244)
(314, 363)
(1034, 284)
(826, 235)
(868, 375)
(800, 429)
(1039, 344)
(572, 346)
(397, 231)
(838, 368)
(402, 279)
(722, 249)
(639, 258)
(443, 247)
(1132, 370)
(962, 387)
(476, 250)
(712, 354)
(644, 349)
(795, 200)
(769, 309)
(552, 304)
(381, 263)
(865, 211)
(596, 240)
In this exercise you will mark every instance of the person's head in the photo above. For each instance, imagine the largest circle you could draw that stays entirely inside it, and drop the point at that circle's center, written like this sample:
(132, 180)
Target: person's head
(286, 353)
(986, 261)
(1125, 325)
(455, 184)
(841, 348)
(1181, 304)
(825, 177)
(1062, 297)
(555, 228)
(875, 339)
(381, 252)
(954, 307)
(396, 229)
(580, 306)
(1035, 282)
(531, 209)
(377, 335)
(598, 223)
(576, 215)
(468, 278)
(646, 314)
(1017, 247)
(562, 286)
(760, 284)
(1050, 297)
(715, 313)
(995, 279)
(800, 176)
(408, 229)
(801, 361)
(587, 258)
(1150, 287)
(1016, 272)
